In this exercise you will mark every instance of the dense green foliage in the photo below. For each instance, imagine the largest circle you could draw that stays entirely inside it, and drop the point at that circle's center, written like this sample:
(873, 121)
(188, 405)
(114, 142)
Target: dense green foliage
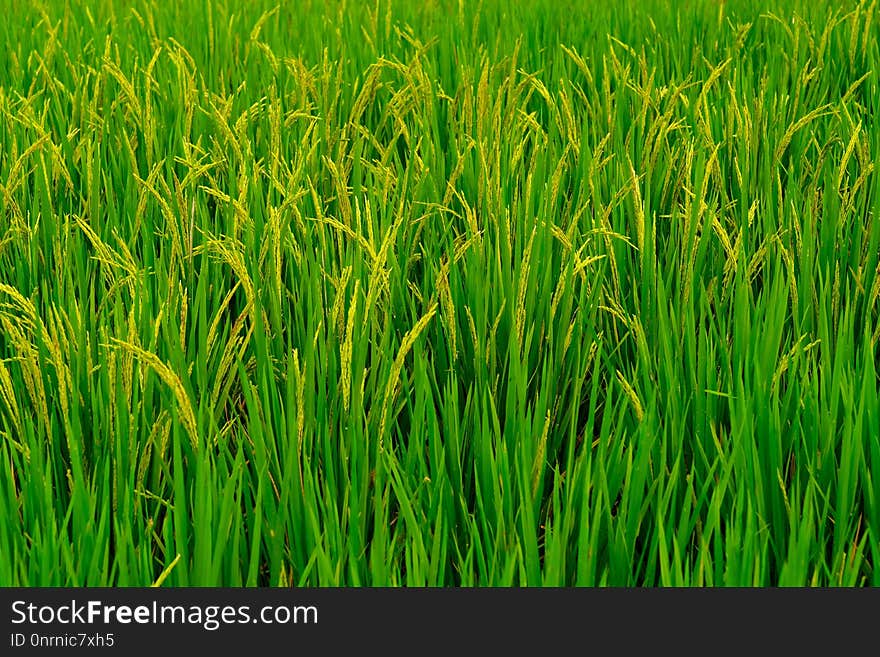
(439, 293)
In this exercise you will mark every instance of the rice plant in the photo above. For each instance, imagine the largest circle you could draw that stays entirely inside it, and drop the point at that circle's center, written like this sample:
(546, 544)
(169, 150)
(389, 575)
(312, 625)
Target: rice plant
(436, 293)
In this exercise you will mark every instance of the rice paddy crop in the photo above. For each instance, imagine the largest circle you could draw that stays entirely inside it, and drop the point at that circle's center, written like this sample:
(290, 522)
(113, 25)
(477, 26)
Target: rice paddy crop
(437, 293)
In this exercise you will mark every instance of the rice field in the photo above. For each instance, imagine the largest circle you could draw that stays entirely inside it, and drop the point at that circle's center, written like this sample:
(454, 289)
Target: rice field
(438, 293)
